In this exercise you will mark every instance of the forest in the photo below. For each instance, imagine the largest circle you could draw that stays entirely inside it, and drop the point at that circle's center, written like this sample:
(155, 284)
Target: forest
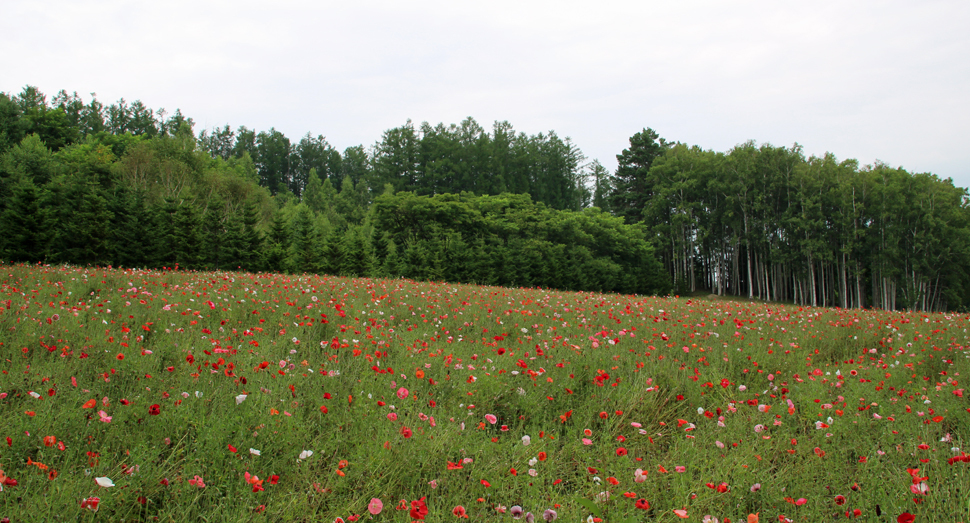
(122, 184)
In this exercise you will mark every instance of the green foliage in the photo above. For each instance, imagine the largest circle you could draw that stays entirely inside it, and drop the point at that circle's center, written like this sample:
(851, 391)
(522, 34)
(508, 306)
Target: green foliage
(510, 240)
(25, 223)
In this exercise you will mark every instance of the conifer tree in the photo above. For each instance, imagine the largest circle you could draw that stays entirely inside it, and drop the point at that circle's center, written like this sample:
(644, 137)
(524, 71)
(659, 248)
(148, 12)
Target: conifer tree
(25, 224)
(213, 233)
(332, 260)
(83, 234)
(252, 240)
(391, 268)
(189, 241)
(313, 194)
(305, 244)
(277, 245)
(234, 244)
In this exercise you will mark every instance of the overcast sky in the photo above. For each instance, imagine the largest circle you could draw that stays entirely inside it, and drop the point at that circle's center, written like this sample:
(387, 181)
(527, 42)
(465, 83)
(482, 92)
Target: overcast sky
(887, 80)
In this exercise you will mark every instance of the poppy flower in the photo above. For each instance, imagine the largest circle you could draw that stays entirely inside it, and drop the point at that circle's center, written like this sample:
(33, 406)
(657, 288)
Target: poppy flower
(642, 504)
(104, 482)
(905, 517)
(491, 418)
(154, 410)
(681, 513)
(91, 503)
(89, 404)
(516, 511)
(375, 506)
(486, 483)
(549, 515)
(621, 451)
(418, 509)
(459, 512)
(639, 476)
(542, 456)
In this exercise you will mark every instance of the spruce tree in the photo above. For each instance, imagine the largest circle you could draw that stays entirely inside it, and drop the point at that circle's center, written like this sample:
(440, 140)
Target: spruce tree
(84, 233)
(313, 194)
(332, 259)
(189, 243)
(276, 247)
(305, 245)
(233, 244)
(250, 257)
(213, 233)
(25, 224)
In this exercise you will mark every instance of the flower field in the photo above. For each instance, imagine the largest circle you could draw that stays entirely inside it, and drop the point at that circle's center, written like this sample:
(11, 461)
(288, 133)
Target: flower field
(217, 396)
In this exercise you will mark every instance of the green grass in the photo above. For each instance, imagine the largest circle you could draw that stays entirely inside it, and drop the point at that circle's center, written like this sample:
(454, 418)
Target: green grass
(321, 361)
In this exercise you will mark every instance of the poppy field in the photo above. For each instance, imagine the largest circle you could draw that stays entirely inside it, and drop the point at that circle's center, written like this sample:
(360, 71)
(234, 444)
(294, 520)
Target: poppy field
(130, 395)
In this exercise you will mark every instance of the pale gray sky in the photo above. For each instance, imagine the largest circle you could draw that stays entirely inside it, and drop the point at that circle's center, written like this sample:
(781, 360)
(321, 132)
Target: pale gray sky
(887, 80)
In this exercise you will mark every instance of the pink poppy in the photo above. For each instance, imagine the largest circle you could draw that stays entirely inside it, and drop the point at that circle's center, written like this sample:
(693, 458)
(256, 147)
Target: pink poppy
(375, 506)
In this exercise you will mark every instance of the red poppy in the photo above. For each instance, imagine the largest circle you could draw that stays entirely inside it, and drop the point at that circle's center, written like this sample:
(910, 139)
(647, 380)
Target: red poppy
(840, 500)
(456, 466)
(642, 504)
(90, 503)
(542, 456)
(906, 517)
(621, 451)
(419, 509)
(459, 512)
(154, 410)
(89, 404)
(486, 483)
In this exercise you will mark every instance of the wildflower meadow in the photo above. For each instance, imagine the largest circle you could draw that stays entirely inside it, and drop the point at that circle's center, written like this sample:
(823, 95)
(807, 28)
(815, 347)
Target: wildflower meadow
(158, 395)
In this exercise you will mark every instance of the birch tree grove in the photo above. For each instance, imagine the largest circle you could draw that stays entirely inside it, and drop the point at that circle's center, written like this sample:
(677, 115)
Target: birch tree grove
(765, 222)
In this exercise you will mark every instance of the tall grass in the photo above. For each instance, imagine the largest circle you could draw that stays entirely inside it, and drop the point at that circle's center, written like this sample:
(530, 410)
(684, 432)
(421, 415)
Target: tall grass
(398, 390)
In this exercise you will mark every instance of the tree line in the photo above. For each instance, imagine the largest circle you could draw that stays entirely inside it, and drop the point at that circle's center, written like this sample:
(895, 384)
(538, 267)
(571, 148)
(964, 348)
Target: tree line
(767, 222)
(157, 195)
(89, 183)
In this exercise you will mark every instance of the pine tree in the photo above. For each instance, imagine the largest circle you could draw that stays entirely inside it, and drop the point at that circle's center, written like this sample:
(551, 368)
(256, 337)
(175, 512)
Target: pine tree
(313, 194)
(25, 224)
(189, 241)
(213, 233)
(332, 260)
(250, 257)
(83, 235)
(277, 245)
(305, 245)
(130, 243)
(162, 230)
(233, 244)
(391, 268)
